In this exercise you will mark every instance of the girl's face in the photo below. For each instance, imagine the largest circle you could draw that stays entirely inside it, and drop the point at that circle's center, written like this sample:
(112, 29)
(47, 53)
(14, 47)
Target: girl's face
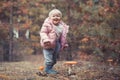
(55, 19)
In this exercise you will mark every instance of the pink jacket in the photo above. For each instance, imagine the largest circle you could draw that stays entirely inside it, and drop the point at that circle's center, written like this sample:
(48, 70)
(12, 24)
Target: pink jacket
(48, 33)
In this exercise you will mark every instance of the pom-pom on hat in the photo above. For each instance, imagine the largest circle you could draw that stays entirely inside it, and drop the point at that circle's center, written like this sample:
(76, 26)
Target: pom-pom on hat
(55, 11)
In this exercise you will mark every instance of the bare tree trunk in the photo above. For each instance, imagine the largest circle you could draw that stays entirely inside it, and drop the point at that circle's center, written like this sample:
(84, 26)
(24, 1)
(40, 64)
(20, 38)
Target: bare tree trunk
(5, 50)
(11, 33)
(68, 10)
(68, 53)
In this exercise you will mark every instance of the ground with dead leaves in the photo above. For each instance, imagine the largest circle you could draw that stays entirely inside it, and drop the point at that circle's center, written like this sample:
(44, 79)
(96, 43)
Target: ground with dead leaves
(83, 70)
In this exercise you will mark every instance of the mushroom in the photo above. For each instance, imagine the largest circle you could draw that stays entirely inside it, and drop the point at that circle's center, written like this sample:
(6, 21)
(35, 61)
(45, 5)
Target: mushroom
(70, 64)
(4, 77)
(41, 68)
(110, 61)
(41, 73)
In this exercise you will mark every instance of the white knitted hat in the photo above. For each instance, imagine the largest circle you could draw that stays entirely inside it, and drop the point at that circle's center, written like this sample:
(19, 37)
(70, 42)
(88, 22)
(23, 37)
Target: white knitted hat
(55, 11)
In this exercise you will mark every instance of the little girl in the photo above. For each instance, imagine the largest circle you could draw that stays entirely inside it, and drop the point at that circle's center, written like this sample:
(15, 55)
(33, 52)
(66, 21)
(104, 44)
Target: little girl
(53, 39)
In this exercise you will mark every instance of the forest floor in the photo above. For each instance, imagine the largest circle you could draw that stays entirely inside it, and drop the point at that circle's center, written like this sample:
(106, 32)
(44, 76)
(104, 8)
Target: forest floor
(83, 70)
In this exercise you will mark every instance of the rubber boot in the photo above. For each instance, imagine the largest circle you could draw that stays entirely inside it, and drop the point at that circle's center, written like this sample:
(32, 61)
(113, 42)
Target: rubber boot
(52, 69)
(49, 70)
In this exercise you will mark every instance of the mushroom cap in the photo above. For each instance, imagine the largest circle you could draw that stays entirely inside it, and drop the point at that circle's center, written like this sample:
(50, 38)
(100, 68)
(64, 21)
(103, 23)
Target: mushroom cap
(41, 68)
(70, 62)
(110, 60)
(4, 77)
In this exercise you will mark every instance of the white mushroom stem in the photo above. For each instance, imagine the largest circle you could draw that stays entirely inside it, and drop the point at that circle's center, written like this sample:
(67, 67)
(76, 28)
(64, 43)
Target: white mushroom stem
(69, 69)
(70, 64)
(41, 72)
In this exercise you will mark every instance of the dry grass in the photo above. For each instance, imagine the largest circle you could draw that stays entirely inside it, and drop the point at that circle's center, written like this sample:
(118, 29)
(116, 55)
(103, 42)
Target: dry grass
(84, 70)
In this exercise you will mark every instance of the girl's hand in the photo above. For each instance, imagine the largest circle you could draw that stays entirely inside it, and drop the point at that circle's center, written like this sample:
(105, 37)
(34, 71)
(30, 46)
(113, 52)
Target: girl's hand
(46, 44)
(64, 47)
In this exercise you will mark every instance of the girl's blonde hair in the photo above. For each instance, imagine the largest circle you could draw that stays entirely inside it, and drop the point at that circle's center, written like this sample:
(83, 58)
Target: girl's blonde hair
(55, 11)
